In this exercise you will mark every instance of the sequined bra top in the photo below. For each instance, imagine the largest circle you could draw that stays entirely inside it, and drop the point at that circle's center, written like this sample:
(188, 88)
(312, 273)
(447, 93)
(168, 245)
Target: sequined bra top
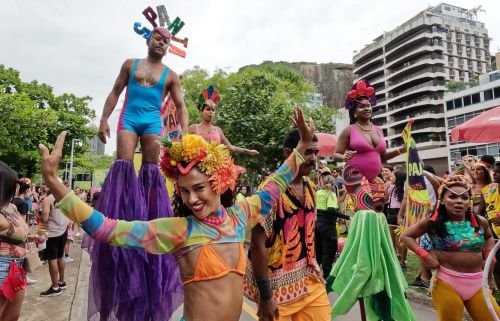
(461, 237)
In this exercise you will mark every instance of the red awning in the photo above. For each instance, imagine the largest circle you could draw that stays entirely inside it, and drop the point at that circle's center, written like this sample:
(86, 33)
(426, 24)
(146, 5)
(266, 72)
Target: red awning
(484, 128)
(326, 144)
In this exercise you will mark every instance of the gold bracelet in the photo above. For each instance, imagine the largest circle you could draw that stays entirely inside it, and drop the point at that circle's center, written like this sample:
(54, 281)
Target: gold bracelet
(399, 151)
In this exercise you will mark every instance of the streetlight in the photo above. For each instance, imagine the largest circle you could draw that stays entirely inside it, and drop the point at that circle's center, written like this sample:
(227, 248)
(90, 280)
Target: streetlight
(71, 162)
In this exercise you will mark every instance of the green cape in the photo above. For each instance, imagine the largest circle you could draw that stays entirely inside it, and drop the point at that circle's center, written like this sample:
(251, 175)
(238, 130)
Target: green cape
(368, 268)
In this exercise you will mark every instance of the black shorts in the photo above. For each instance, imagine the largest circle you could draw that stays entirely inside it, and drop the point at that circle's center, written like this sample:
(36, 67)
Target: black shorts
(55, 247)
(392, 216)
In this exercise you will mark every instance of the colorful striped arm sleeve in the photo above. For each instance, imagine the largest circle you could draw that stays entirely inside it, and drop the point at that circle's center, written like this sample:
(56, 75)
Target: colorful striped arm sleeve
(259, 205)
(158, 236)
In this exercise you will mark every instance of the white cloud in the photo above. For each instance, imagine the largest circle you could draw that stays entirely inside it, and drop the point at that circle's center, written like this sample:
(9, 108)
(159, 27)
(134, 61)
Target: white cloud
(78, 46)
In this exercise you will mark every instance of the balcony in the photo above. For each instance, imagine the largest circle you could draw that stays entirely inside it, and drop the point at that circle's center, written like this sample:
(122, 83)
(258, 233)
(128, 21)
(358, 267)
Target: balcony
(416, 51)
(409, 105)
(415, 38)
(414, 64)
(425, 129)
(422, 143)
(416, 90)
(361, 69)
(373, 72)
(420, 115)
(433, 72)
(369, 52)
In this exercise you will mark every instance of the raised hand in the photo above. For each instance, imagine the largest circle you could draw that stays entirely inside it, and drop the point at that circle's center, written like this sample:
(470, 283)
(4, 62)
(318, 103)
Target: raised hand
(50, 164)
(306, 130)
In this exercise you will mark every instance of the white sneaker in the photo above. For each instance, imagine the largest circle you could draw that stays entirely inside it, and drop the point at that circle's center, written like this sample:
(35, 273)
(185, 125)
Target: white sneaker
(68, 259)
(30, 280)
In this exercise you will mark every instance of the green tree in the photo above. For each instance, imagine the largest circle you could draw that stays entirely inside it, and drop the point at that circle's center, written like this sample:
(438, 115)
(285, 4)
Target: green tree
(32, 114)
(454, 85)
(255, 109)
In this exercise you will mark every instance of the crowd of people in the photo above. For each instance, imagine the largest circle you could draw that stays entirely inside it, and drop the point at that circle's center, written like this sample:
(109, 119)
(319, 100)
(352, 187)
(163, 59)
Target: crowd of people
(30, 224)
(153, 253)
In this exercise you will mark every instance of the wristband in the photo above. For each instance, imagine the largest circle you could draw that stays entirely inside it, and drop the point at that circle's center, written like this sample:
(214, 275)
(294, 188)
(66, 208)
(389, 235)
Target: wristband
(423, 254)
(264, 289)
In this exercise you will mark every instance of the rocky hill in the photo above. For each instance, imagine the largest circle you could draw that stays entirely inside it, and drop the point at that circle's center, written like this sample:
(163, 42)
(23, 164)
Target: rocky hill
(332, 80)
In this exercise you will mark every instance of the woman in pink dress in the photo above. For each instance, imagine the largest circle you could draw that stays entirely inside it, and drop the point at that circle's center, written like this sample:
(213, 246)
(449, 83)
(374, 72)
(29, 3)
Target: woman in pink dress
(362, 146)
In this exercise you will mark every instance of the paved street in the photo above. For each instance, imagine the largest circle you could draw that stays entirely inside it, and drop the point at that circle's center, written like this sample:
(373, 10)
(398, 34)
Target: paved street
(72, 304)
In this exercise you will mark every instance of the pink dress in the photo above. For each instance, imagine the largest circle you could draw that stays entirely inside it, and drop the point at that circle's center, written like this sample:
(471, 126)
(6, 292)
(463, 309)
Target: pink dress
(367, 160)
(213, 136)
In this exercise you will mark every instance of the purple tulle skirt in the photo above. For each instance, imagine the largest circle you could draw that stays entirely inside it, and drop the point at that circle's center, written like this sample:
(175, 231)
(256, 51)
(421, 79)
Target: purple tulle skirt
(126, 284)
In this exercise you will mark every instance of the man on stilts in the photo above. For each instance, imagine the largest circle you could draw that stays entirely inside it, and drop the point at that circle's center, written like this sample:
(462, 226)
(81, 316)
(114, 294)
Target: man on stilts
(130, 284)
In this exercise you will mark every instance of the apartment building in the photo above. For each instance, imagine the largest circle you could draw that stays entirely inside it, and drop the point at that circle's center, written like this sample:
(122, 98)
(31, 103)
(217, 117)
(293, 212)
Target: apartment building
(410, 66)
(467, 103)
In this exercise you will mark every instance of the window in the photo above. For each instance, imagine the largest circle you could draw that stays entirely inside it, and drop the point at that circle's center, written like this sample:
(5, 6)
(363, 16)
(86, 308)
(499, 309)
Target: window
(481, 150)
(488, 94)
(476, 98)
(496, 91)
(467, 100)
(458, 102)
(493, 149)
(468, 116)
(447, 8)
(460, 120)
(452, 122)
(495, 76)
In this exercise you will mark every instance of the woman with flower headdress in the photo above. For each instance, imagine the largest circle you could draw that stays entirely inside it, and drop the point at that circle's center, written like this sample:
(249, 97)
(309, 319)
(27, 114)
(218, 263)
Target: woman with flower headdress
(362, 146)
(461, 242)
(208, 239)
(366, 259)
(207, 101)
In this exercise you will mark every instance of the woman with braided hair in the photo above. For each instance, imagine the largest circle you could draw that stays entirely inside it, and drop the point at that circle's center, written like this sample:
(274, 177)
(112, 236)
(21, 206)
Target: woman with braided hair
(461, 242)
(207, 240)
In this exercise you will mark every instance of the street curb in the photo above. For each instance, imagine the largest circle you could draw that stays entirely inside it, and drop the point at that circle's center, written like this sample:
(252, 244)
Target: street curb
(78, 311)
(424, 299)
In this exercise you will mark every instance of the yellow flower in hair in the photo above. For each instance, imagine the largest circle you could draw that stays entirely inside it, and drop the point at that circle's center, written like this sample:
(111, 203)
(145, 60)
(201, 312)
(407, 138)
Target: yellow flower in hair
(216, 154)
(194, 147)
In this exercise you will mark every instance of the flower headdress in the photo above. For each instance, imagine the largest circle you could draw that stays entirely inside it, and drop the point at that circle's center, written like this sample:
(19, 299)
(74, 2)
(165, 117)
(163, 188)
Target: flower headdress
(360, 91)
(211, 158)
(454, 180)
(209, 97)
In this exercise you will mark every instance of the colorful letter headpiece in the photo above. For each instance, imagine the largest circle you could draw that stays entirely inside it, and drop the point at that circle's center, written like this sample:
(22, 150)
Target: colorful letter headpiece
(166, 28)
(210, 158)
(209, 97)
(454, 180)
(360, 91)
